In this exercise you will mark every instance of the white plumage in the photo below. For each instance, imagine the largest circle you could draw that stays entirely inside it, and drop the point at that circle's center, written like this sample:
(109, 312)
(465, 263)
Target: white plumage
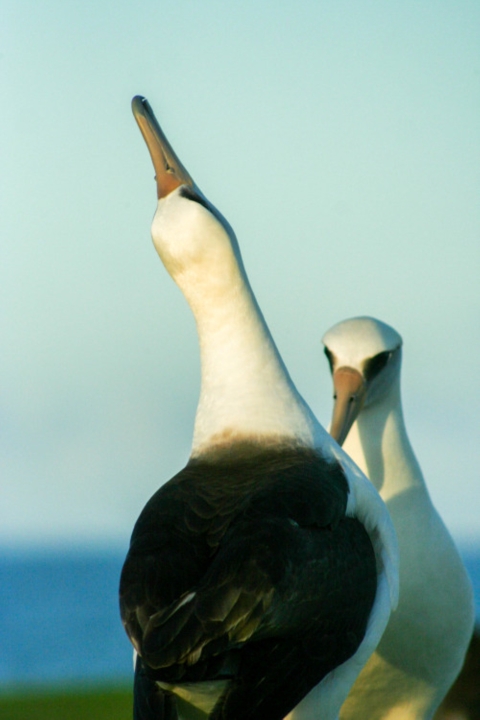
(189, 613)
(424, 645)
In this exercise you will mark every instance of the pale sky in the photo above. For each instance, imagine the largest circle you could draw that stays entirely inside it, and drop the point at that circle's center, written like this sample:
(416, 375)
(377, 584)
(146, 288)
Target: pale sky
(342, 142)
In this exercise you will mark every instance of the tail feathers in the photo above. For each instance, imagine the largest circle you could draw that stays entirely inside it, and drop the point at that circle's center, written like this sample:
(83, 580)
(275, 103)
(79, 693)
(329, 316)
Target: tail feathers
(151, 702)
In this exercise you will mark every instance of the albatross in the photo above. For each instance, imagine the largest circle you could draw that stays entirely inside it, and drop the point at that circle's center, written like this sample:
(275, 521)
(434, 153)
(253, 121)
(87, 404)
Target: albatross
(424, 645)
(260, 578)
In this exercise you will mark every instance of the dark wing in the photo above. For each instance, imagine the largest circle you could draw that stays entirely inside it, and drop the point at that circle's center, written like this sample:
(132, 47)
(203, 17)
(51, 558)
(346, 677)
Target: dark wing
(239, 570)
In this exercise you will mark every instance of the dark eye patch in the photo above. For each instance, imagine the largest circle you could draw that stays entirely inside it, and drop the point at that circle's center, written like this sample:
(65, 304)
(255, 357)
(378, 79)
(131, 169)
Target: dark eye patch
(186, 192)
(329, 358)
(375, 365)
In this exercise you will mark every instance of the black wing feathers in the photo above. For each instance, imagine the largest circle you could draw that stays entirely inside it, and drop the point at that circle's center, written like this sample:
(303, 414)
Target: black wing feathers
(247, 569)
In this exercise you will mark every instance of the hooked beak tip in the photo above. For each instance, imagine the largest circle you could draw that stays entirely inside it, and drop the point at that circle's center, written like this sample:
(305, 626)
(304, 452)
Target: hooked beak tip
(169, 171)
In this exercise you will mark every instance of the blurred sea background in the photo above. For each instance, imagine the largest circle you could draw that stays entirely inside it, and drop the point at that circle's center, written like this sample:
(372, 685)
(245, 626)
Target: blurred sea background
(341, 140)
(60, 621)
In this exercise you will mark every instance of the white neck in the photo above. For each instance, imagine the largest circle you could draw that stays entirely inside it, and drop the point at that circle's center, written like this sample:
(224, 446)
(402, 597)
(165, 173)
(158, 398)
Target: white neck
(246, 392)
(379, 444)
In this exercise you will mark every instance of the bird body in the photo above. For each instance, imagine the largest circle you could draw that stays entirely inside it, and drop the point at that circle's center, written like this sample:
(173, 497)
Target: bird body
(423, 647)
(252, 549)
(260, 578)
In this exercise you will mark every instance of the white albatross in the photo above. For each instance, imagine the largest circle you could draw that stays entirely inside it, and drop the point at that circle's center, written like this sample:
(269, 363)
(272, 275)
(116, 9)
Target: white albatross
(260, 578)
(422, 650)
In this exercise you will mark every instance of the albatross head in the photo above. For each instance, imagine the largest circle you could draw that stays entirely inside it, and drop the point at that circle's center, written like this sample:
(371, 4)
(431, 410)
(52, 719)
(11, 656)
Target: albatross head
(364, 356)
(194, 241)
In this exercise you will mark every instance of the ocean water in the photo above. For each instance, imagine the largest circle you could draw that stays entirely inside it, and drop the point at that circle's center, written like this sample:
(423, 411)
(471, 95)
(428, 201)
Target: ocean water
(59, 618)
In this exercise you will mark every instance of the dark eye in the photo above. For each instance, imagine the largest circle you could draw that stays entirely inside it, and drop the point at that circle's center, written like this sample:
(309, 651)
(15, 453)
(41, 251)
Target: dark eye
(329, 358)
(190, 195)
(375, 365)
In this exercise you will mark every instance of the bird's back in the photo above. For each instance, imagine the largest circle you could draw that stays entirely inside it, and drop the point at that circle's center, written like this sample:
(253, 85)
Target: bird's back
(248, 571)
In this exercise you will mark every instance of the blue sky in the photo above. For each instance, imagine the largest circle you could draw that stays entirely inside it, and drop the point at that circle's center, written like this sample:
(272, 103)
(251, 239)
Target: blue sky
(342, 142)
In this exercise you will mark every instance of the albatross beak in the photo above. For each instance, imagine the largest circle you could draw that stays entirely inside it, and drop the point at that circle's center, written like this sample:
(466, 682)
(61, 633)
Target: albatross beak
(350, 391)
(170, 172)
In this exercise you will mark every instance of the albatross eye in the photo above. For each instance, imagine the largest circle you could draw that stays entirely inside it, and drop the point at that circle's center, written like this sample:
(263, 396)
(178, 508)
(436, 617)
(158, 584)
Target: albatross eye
(329, 358)
(375, 365)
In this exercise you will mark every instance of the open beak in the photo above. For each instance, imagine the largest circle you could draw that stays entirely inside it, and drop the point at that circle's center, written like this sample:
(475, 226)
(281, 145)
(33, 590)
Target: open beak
(350, 391)
(169, 171)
